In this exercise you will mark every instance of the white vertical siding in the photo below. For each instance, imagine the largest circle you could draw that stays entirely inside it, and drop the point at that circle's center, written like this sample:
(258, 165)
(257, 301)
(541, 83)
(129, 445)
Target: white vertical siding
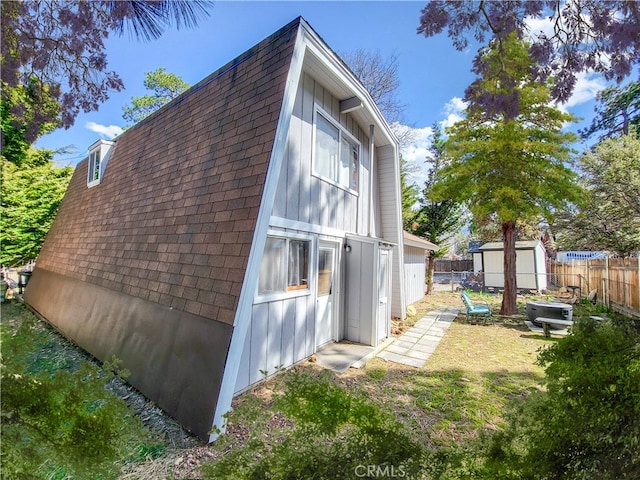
(530, 268)
(360, 304)
(306, 198)
(541, 267)
(493, 263)
(281, 333)
(414, 273)
(391, 221)
(477, 262)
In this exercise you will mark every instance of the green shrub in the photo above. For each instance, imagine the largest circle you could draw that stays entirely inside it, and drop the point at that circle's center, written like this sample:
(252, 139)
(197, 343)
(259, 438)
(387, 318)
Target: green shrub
(585, 425)
(329, 433)
(58, 420)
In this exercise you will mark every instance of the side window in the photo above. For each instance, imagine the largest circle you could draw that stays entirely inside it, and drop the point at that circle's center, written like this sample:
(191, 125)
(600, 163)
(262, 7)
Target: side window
(285, 266)
(337, 154)
(93, 176)
(327, 148)
(272, 279)
(298, 274)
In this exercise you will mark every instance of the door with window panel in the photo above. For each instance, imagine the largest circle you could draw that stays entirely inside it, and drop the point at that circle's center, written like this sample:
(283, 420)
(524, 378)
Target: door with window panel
(325, 316)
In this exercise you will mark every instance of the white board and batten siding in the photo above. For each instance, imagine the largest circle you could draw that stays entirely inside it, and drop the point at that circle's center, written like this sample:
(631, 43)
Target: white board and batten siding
(281, 333)
(305, 197)
(360, 304)
(390, 222)
(531, 270)
(414, 273)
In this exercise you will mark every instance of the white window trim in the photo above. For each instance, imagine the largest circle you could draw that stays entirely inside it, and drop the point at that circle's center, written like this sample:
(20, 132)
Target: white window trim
(94, 182)
(317, 110)
(272, 297)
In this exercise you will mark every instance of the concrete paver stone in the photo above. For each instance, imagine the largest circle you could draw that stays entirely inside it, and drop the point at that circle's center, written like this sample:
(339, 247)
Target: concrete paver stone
(414, 347)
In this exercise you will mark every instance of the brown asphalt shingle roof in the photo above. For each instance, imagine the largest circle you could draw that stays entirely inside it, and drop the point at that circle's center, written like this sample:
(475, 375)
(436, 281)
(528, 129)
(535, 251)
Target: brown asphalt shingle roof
(173, 219)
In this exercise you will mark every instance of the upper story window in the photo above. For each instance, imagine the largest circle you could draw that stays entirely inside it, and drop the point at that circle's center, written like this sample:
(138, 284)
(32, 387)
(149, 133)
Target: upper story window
(285, 265)
(94, 167)
(336, 153)
(99, 154)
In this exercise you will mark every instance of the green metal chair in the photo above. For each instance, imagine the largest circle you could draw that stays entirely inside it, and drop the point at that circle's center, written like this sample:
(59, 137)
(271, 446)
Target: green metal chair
(476, 310)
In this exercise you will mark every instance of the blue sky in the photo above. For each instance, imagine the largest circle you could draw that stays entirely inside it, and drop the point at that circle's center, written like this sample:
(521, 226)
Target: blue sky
(433, 75)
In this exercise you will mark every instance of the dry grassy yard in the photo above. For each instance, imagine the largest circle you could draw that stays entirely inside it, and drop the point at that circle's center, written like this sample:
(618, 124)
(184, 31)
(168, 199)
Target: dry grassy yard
(462, 389)
(465, 384)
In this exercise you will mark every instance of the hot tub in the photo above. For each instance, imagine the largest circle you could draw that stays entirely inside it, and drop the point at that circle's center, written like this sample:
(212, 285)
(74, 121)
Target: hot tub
(558, 310)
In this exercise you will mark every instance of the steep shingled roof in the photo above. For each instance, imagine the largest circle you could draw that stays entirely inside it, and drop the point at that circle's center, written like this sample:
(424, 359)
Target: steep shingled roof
(149, 264)
(173, 218)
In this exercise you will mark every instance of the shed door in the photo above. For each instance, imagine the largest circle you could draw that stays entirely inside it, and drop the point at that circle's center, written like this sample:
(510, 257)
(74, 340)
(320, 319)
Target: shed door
(384, 304)
(326, 294)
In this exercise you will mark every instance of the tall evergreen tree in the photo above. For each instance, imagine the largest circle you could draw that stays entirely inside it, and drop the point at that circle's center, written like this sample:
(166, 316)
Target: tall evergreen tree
(609, 218)
(617, 110)
(510, 162)
(164, 87)
(409, 196)
(31, 194)
(437, 219)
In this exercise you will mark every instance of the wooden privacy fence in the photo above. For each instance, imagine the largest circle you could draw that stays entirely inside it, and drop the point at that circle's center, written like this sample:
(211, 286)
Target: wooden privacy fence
(615, 280)
(447, 265)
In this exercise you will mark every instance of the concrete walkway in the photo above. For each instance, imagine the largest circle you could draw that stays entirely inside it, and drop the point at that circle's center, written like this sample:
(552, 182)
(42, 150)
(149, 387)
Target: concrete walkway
(417, 344)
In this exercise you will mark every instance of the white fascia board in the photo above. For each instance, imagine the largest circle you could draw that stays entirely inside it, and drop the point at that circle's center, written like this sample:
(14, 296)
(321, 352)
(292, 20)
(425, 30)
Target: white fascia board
(242, 317)
(279, 222)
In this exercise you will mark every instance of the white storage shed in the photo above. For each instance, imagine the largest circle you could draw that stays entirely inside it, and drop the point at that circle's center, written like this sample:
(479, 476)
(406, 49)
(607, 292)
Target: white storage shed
(531, 267)
(415, 271)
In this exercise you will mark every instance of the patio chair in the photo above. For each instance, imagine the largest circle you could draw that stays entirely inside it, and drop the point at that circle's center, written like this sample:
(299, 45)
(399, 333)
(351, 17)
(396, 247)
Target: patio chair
(476, 310)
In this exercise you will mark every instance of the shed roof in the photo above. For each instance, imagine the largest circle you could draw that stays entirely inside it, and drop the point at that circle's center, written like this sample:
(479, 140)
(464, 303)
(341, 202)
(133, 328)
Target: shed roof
(520, 245)
(419, 242)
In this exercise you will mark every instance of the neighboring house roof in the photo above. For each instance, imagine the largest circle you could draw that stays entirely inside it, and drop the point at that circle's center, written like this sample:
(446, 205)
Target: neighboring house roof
(474, 246)
(419, 242)
(520, 245)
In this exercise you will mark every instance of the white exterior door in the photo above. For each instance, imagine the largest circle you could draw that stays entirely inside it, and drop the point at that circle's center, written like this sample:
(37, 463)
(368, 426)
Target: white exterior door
(384, 304)
(325, 316)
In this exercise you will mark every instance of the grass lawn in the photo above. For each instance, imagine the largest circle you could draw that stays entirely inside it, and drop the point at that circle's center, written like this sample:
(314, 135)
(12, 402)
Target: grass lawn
(463, 389)
(466, 383)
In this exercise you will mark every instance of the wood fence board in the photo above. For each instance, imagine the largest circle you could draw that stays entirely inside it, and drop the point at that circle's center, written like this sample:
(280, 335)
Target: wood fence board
(616, 279)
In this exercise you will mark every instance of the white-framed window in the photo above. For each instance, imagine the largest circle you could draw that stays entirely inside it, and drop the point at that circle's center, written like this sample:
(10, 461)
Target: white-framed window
(93, 175)
(336, 153)
(99, 154)
(285, 266)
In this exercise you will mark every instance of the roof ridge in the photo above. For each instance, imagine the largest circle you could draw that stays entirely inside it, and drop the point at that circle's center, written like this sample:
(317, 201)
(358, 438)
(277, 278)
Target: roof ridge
(224, 69)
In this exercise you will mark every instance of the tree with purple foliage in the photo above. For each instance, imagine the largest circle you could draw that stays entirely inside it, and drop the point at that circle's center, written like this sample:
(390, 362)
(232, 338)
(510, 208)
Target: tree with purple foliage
(601, 36)
(56, 49)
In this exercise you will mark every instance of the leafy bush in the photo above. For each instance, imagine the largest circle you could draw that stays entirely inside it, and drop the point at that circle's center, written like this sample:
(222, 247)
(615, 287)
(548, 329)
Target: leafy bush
(585, 425)
(330, 433)
(58, 420)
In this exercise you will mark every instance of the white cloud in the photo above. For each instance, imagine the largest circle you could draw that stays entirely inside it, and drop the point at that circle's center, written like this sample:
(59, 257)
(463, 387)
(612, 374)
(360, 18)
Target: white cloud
(453, 109)
(587, 86)
(415, 151)
(107, 131)
(537, 25)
